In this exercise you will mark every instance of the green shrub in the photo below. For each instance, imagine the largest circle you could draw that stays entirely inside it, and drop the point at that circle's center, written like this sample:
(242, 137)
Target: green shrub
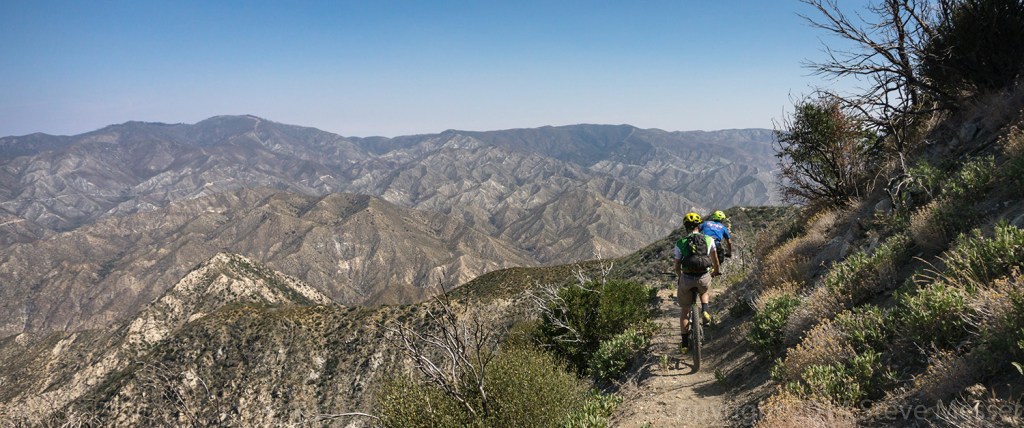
(945, 217)
(935, 314)
(972, 178)
(826, 381)
(624, 304)
(581, 317)
(846, 384)
(614, 355)
(404, 402)
(976, 260)
(766, 334)
(525, 387)
(594, 413)
(925, 179)
(865, 326)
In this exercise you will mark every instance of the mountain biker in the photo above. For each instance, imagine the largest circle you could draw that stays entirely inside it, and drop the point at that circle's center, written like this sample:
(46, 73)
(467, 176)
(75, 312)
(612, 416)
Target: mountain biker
(700, 280)
(720, 233)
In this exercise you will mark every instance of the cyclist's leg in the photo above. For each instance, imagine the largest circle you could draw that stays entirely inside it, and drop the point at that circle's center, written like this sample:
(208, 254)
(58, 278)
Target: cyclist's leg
(685, 297)
(703, 285)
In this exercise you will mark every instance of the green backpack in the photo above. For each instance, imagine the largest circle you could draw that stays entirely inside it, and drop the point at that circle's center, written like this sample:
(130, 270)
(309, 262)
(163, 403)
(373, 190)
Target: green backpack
(696, 256)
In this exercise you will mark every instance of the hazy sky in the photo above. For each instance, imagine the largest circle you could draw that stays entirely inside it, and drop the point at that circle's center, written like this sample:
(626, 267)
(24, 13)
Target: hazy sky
(380, 67)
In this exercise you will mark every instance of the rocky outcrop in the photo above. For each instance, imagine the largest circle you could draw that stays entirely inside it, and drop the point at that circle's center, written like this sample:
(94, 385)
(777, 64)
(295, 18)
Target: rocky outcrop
(45, 375)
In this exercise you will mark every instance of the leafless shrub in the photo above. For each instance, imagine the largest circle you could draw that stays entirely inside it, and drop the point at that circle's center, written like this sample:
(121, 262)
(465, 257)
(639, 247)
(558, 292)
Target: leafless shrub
(978, 407)
(453, 351)
(180, 389)
(886, 43)
(946, 375)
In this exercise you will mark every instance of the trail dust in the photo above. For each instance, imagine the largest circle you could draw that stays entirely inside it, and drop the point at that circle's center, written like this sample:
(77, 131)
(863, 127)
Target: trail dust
(668, 393)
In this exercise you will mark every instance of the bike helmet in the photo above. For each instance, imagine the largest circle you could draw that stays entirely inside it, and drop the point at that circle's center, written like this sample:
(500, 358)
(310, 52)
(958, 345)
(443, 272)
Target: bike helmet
(692, 220)
(718, 216)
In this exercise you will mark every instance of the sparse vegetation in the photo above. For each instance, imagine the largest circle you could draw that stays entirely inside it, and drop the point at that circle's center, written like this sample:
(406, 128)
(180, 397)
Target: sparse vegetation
(597, 327)
(766, 333)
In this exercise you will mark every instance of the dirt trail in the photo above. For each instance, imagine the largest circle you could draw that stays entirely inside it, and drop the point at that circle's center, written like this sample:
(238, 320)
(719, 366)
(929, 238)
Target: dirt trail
(672, 395)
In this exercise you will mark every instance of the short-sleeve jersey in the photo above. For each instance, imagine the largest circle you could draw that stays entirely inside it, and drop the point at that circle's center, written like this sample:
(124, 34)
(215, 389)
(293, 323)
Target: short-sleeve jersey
(715, 230)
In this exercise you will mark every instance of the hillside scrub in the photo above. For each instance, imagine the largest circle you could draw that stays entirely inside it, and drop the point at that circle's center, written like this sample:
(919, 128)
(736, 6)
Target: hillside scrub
(525, 387)
(533, 378)
(826, 154)
(575, 320)
(912, 296)
(766, 334)
(849, 282)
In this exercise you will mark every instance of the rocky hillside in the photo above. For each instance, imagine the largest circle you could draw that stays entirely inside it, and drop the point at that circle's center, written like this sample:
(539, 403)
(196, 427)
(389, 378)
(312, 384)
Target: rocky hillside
(236, 343)
(354, 248)
(60, 375)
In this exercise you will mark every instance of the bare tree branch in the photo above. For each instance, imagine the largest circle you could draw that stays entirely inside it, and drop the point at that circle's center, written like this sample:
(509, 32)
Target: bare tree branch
(452, 352)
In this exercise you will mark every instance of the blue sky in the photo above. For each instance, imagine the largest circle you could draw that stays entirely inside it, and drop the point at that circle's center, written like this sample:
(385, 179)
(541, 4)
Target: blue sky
(380, 67)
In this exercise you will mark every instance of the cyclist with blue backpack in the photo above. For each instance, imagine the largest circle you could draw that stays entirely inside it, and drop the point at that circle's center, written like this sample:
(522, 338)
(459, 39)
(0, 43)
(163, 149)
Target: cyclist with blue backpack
(720, 233)
(696, 262)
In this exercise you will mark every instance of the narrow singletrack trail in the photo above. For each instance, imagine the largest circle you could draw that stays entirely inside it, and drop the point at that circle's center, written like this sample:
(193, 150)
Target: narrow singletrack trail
(669, 393)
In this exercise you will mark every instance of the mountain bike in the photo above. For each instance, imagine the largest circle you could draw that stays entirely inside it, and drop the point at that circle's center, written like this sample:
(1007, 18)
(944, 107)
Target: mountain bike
(696, 329)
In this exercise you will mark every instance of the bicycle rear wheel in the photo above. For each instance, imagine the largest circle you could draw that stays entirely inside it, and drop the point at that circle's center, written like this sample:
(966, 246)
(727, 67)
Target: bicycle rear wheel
(696, 331)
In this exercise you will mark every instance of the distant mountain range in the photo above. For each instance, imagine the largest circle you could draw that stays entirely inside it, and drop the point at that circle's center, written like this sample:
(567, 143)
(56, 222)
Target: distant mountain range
(95, 226)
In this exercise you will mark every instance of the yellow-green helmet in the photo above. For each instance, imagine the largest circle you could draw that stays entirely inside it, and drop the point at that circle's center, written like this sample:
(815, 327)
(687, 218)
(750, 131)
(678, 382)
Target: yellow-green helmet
(691, 220)
(718, 216)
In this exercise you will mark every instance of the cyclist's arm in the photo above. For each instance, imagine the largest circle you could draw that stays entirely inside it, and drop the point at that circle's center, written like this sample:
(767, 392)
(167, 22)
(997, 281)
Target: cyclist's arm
(728, 245)
(715, 264)
(679, 268)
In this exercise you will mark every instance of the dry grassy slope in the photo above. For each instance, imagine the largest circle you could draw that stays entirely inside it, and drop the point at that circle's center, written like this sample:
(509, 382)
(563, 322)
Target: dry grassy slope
(811, 252)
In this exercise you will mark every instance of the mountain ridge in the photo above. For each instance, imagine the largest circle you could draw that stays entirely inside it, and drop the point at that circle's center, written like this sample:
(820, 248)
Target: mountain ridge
(459, 203)
(343, 244)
